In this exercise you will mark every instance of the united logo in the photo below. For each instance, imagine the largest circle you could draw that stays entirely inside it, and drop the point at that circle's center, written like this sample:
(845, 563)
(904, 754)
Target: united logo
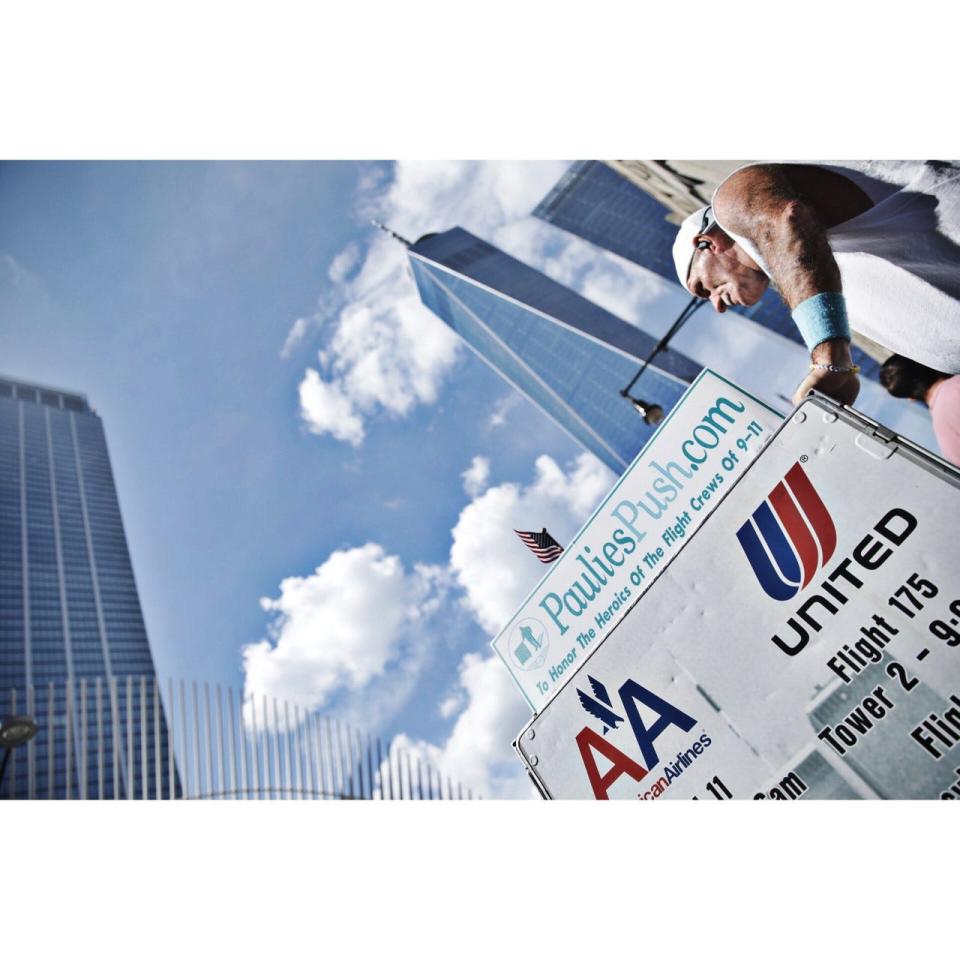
(789, 536)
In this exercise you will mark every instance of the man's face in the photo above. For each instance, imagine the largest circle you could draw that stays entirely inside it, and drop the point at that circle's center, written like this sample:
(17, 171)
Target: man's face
(726, 276)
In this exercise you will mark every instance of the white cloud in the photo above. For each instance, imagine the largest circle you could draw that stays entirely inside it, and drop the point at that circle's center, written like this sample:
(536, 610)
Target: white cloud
(387, 353)
(478, 195)
(495, 570)
(451, 705)
(342, 626)
(626, 290)
(326, 408)
(478, 752)
(608, 280)
(476, 476)
(502, 408)
(343, 263)
(294, 337)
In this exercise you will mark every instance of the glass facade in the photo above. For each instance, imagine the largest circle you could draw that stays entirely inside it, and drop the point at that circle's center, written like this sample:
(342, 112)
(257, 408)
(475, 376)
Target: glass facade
(568, 355)
(594, 202)
(71, 628)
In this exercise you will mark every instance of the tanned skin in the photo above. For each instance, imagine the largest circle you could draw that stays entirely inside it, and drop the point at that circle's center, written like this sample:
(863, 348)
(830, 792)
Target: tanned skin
(785, 210)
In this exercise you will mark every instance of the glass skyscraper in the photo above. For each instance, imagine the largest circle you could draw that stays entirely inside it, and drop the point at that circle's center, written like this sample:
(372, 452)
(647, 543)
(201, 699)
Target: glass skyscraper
(73, 645)
(592, 201)
(568, 355)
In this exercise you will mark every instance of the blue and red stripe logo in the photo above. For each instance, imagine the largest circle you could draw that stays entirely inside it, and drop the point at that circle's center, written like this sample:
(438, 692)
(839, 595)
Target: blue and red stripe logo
(789, 536)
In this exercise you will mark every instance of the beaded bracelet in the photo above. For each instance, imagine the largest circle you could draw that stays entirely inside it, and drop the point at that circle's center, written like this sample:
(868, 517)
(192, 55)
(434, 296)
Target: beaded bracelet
(832, 368)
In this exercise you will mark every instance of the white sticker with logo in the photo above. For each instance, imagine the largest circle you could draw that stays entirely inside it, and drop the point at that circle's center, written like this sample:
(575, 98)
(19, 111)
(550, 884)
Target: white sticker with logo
(706, 442)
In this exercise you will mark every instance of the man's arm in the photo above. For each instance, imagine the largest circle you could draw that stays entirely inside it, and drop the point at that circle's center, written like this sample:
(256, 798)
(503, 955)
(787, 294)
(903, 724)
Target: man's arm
(761, 203)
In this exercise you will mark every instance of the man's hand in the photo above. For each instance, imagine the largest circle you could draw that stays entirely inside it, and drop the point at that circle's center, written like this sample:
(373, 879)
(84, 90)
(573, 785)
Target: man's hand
(842, 387)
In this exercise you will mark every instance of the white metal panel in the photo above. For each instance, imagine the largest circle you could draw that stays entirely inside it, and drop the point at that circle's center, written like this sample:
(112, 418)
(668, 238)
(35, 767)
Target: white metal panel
(849, 687)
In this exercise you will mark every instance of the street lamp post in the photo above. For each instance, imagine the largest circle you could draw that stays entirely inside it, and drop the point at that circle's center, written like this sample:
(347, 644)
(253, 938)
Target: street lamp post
(14, 732)
(652, 413)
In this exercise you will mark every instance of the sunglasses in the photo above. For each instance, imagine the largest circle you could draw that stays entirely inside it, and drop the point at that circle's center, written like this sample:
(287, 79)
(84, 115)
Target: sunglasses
(706, 224)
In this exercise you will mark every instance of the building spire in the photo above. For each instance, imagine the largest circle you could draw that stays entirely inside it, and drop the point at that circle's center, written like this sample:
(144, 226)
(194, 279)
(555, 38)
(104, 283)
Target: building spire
(396, 236)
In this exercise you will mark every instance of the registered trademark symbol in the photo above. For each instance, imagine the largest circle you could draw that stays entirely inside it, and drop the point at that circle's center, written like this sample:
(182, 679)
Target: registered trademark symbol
(804, 458)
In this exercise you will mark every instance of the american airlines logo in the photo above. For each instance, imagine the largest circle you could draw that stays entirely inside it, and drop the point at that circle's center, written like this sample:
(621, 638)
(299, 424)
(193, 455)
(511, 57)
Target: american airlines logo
(789, 536)
(616, 763)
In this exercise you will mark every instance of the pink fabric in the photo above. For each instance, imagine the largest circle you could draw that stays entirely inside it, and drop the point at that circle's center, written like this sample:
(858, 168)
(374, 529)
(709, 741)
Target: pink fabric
(945, 411)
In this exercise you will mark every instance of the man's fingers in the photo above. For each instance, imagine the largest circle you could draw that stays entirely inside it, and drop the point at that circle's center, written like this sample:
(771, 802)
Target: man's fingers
(810, 381)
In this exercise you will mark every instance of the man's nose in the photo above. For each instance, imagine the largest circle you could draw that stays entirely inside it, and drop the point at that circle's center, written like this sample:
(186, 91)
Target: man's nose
(718, 304)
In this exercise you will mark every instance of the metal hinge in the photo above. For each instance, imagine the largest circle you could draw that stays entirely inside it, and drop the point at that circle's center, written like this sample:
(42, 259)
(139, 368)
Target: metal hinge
(879, 443)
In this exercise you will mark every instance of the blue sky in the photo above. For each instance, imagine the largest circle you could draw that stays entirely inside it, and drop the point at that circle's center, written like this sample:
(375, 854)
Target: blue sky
(289, 428)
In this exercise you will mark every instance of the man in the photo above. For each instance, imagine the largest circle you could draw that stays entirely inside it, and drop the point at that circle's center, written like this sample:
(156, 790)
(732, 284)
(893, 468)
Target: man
(878, 240)
(939, 391)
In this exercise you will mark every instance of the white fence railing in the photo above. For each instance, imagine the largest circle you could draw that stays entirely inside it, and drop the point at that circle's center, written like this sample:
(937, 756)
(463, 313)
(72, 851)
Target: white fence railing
(126, 738)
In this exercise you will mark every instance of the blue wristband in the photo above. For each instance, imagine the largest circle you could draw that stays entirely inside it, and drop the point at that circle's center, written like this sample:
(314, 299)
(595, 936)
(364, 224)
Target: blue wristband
(823, 317)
